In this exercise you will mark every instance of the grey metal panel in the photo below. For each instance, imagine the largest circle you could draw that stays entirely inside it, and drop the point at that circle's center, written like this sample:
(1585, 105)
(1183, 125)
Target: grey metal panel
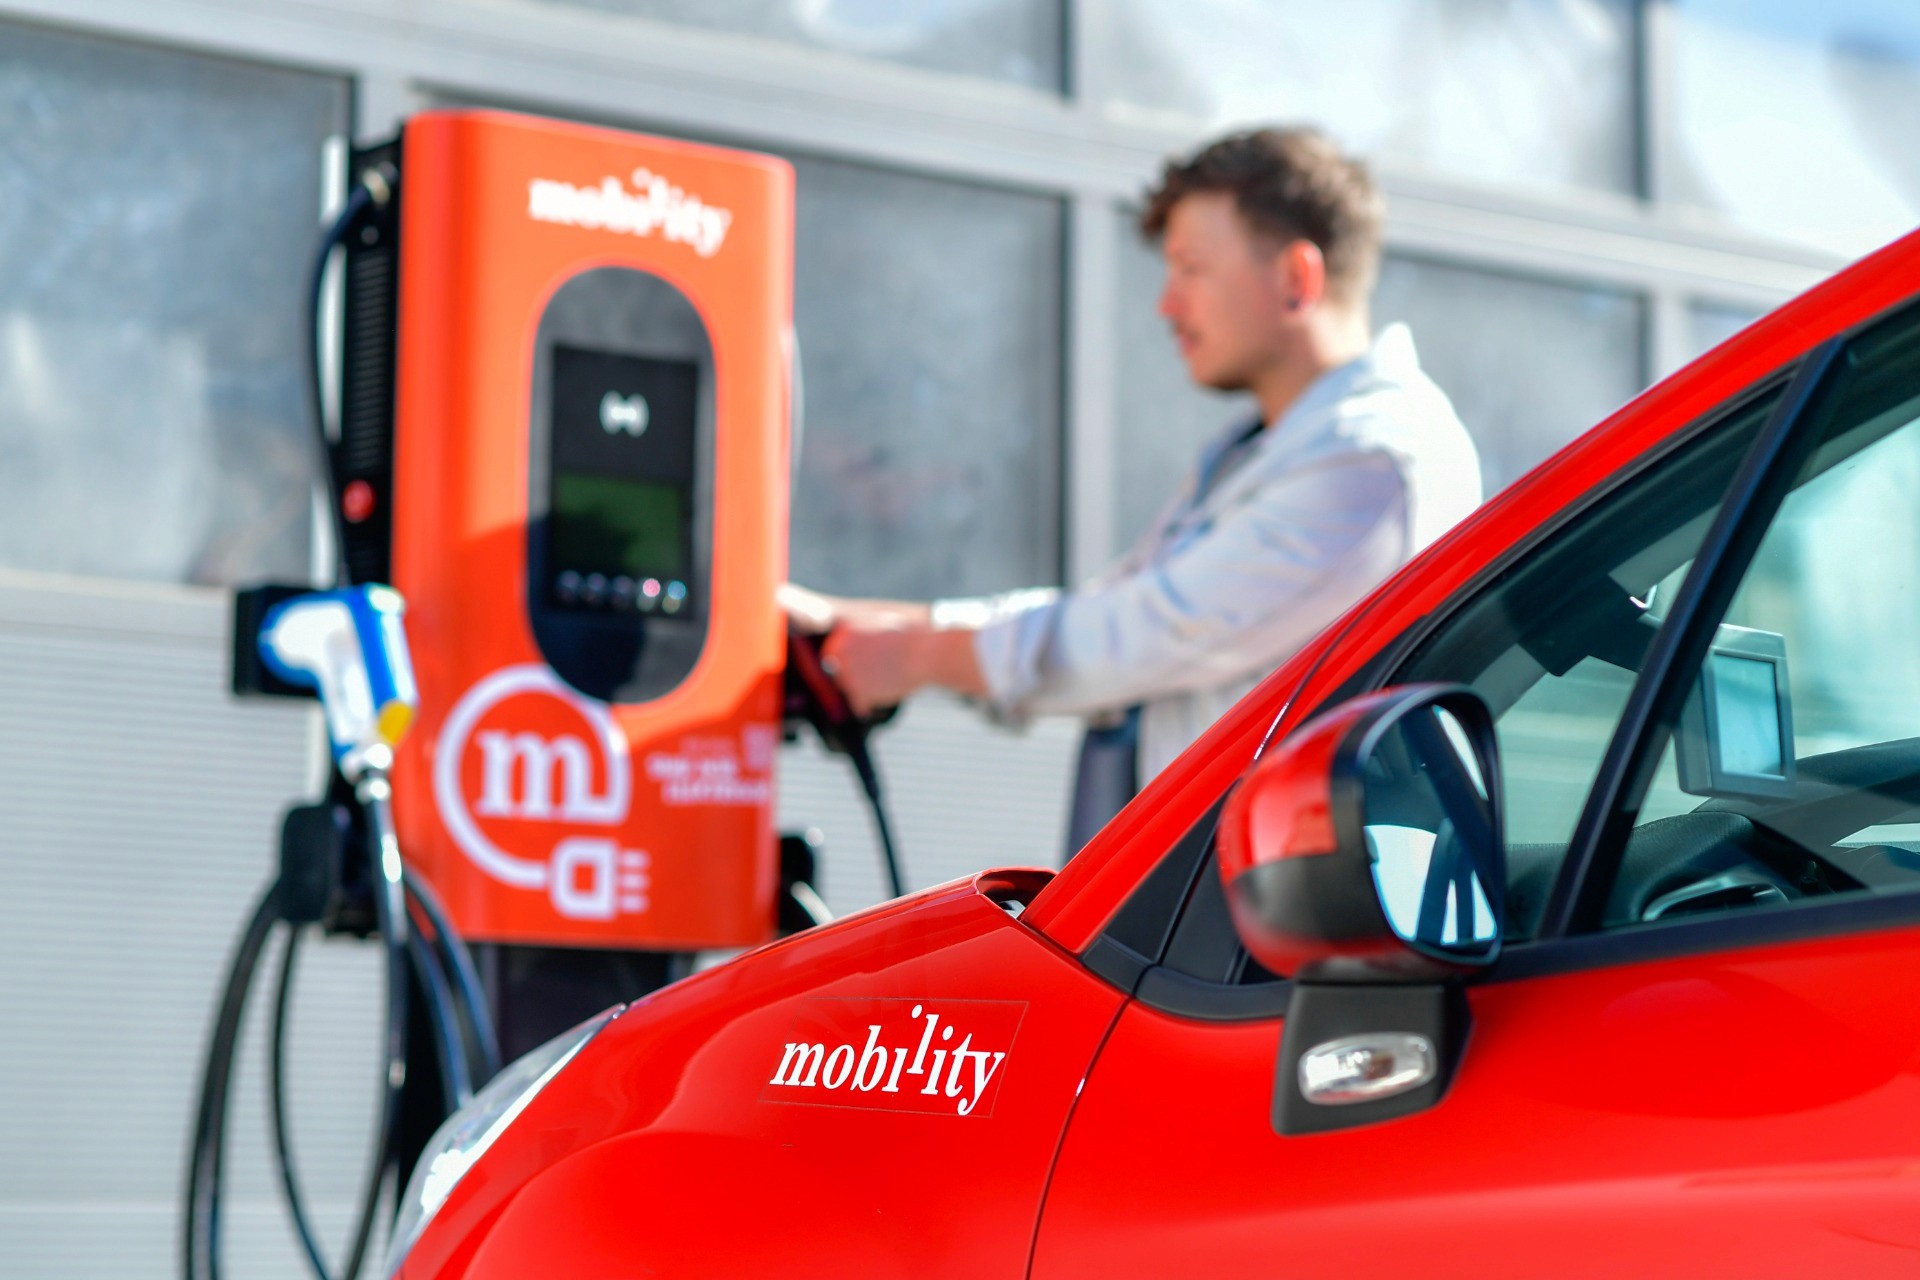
(1017, 41)
(138, 809)
(963, 796)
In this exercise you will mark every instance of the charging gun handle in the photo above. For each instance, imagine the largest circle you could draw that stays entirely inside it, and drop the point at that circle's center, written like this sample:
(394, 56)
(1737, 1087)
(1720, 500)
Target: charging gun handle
(823, 704)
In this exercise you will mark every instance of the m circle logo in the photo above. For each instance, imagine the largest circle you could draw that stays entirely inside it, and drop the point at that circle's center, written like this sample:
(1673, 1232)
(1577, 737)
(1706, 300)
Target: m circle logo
(533, 780)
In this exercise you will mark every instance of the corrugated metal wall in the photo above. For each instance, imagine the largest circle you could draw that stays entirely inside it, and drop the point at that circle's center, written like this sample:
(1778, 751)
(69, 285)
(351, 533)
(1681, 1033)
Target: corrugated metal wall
(138, 810)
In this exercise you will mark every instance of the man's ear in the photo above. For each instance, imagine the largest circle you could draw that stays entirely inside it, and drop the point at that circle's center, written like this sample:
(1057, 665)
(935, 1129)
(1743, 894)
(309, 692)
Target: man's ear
(1305, 272)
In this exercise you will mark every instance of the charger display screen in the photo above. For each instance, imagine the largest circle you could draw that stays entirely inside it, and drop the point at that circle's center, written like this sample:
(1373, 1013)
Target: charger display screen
(620, 522)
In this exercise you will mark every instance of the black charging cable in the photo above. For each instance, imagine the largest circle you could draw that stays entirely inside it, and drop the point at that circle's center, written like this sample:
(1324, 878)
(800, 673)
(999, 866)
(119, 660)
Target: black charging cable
(364, 197)
(204, 1170)
(464, 1040)
(467, 1048)
(863, 767)
(811, 695)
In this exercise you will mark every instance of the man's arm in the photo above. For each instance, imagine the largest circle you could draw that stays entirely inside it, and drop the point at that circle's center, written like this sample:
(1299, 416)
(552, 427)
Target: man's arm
(880, 666)
(817, 613)
(879, 651)
(1237, 598)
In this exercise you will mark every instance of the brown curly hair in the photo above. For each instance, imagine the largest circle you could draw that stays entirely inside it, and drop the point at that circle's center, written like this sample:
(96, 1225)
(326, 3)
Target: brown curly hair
(1289, 184)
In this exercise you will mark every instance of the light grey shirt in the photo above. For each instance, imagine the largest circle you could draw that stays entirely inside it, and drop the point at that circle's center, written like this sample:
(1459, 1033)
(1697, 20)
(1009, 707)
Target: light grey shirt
(1367, 467)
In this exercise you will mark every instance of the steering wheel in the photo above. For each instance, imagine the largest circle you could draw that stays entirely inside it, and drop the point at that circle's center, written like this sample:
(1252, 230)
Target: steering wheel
(1744, 851)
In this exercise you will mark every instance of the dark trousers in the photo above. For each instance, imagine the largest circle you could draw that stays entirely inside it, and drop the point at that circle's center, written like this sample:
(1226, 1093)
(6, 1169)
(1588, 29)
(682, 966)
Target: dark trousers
(1106, 777)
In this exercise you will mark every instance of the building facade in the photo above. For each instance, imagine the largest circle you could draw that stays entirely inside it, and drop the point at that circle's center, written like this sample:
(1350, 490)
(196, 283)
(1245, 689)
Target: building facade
(1584, 194)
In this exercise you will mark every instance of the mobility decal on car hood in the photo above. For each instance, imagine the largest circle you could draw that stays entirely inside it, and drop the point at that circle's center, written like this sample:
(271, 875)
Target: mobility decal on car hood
(938, 1057)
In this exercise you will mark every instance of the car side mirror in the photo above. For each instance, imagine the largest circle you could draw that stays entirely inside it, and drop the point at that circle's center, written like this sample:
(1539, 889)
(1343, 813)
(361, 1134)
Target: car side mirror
(1368, 845)
(1364, 859)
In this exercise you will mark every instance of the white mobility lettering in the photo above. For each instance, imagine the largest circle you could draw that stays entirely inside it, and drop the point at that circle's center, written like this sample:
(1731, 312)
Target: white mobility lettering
(899, 1061)
(874, 1054)
(845, 1070)
(982, 1073)
(550, 201)
(920, 1054)
(811, 1055)
(957, 1076)
(939, 1056)
(654, 205)
(959, 1061)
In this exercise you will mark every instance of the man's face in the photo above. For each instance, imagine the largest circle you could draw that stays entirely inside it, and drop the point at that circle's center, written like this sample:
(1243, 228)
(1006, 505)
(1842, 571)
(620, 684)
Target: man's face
(1226, 295)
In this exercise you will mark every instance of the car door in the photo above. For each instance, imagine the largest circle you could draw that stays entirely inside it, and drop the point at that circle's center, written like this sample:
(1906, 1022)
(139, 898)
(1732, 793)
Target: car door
(1700, 1050)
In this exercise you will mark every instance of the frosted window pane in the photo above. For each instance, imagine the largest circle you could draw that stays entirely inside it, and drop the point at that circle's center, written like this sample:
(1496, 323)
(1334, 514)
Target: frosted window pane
(1799, 119)
(1708, 325)
(1019, 41)
(929, 316)
(1528, 364)
(1484, 89)
(158, 212)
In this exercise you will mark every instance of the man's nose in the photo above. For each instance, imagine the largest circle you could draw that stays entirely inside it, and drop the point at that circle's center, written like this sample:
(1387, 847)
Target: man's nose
(1169, 304)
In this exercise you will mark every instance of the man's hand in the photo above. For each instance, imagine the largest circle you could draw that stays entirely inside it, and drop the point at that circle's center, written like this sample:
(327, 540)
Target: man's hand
(880, 651)
(807, 612)
(874, 666)
(878, 665)
(816, 613)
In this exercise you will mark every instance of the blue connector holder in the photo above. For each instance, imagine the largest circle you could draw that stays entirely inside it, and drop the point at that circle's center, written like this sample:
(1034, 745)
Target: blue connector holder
(349, 645)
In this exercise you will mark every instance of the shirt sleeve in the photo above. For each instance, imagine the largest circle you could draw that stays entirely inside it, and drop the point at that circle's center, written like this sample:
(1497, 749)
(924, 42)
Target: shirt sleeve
(1235, 598)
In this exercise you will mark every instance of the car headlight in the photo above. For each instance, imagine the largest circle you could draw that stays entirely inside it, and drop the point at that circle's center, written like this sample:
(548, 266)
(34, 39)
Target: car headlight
(468, 1132)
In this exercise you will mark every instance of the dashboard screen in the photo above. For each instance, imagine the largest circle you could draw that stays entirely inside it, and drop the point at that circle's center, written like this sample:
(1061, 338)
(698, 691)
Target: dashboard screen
(1747, 715)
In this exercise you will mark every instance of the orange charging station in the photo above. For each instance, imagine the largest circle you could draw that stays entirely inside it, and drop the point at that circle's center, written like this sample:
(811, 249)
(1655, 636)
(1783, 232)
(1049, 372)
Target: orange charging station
(564, 395)
(583, 500)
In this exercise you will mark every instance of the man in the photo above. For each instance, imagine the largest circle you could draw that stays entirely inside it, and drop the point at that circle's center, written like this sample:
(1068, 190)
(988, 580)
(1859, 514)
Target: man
(1357, 461)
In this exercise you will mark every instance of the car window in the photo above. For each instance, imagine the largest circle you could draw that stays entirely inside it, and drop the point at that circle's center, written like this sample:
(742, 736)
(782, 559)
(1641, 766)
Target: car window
(1793, 770)
(1555, 642)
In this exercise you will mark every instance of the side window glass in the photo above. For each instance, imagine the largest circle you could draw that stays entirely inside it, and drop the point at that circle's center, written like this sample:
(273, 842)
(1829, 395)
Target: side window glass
(1793, 771)
(1555, 644)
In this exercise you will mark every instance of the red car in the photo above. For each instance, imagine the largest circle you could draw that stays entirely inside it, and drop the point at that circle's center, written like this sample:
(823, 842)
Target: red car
(1557, 912)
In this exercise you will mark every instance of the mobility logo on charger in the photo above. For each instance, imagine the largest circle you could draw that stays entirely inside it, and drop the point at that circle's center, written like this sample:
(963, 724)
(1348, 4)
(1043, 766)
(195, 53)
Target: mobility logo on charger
(528, 776)
(654, 204)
